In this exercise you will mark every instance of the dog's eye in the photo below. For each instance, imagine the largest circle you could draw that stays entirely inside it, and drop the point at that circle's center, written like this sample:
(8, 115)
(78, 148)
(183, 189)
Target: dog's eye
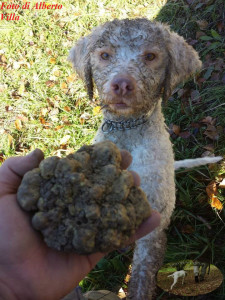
(149, 56)
(105, 56)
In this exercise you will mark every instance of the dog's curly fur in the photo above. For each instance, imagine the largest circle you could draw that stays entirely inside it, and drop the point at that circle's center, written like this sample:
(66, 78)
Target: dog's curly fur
(127, 44)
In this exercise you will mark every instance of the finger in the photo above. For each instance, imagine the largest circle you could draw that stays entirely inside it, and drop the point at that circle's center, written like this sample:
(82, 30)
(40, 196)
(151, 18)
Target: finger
(137, 180)
(147, 226)
(13, 169)
(126, 159)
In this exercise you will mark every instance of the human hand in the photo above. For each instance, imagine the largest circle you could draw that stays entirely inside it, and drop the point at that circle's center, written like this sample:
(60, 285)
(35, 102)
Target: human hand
(28, 268)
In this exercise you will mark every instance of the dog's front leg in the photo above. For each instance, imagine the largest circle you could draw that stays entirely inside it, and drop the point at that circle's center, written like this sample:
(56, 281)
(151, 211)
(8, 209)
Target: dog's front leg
(148, 258)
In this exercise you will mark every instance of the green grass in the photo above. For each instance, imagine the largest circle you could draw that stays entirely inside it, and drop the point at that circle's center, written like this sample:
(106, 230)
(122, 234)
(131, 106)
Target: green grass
(34, 51)
(39, 88)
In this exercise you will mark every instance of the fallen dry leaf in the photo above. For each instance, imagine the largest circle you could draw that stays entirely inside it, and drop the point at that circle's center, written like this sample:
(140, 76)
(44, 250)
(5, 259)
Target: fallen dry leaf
(78, 102)
(199, 34)
(83, 117)
(3, 61)
(211, 189)
(58, 127)
(71, 78)
(215, 202)
(52, 60)
(62, 151)
(2, 58)
(15, 95)
(122, 293)
(200, 81)
(127, 278)
(49, 51)
(96, 110)
(208, 120)
(47, 125)
(203, 24)
(54, 111)
(42, 120)
(21, 63)
(220, 26)
(176, 129)
(207, 153)
(66, 120)
(63, 85)
(64, 140)
(18, 124)
(23, 118)
(67, 108)
(187, 229)
(82, 121)
(209, 147)
(222, 184)
(10, 139)
(57, 98)
(50, 83)
(185, 134)
(8, 108)
(43, 111)
(212, 132)
(50, 102)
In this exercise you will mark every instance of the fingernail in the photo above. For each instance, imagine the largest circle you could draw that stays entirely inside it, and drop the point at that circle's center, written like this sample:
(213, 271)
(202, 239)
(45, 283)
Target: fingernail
(36, 153)
(31, 153)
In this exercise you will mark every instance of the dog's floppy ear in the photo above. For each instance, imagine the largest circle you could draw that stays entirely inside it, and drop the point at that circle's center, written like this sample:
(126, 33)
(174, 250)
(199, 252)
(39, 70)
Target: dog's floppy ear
(183, 62)
(80, 57)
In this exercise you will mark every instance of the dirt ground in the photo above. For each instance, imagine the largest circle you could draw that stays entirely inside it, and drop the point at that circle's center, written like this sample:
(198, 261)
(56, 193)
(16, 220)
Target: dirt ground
(190, 288)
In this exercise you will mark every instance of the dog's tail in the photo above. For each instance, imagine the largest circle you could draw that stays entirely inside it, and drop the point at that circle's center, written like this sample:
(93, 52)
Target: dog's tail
(190, 163)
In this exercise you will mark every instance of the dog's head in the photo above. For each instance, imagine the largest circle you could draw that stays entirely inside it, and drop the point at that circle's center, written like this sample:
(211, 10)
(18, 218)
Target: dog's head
(133, 63)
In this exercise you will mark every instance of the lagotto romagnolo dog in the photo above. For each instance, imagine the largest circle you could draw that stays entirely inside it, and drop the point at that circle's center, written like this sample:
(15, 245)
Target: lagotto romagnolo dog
(135, 64)
(177, 275)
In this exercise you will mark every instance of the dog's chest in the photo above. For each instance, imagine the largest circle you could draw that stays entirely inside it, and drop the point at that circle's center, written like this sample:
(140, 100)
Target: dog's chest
(152, 159)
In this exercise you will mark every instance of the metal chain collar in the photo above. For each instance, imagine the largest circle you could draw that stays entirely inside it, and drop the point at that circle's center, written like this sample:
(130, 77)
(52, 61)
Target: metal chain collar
(109, 125)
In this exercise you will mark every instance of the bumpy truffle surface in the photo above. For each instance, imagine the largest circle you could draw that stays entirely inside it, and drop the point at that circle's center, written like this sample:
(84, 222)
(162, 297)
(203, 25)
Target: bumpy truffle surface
(84, 203)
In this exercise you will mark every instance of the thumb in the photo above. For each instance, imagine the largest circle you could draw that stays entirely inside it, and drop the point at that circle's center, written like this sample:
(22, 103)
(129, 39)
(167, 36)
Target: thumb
(13, 169)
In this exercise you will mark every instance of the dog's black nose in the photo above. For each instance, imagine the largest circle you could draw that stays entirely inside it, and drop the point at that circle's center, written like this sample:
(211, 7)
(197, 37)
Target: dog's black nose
(122, 86)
